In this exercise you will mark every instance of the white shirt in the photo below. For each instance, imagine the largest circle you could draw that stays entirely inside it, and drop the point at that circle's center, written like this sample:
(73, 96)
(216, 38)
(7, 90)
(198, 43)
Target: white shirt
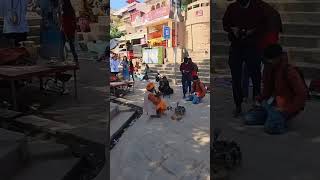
(114, 65)
(148, 107)
(18, 7)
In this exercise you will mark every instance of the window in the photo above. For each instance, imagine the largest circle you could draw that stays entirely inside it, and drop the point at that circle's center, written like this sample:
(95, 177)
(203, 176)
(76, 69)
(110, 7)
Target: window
(158, 6)
(163, 4)
(203, 4)
(208, 4)
(153, 8)
(189, 8)
(196, 6)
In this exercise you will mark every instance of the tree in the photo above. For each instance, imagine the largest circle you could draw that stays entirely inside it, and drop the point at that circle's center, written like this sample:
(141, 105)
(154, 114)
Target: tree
(184, 4)
(114, 32)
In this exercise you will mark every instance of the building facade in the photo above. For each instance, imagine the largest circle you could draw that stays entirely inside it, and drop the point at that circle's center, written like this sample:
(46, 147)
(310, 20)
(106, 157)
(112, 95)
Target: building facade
(197, 28)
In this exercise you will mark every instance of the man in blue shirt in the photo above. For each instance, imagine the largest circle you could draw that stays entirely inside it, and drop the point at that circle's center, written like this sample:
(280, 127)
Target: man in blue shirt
(15, 20)
(114, 64)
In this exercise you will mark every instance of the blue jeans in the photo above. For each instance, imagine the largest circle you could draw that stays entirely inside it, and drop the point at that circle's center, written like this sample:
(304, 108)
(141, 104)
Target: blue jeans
(194, 98)
(274, 121)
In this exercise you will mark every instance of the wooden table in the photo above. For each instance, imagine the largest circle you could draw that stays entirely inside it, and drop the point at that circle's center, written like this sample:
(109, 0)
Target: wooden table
(14, 73)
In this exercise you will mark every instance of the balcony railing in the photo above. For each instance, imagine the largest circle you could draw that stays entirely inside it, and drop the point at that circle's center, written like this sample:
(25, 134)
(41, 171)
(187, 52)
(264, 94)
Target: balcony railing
(157, 13)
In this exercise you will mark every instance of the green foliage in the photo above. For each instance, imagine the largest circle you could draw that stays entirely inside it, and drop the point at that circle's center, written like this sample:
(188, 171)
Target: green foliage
(184, 4)
(115, 33)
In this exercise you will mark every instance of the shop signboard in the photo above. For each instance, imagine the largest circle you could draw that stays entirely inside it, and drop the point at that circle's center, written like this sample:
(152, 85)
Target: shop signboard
(166, 32)
(199, 13)
(153, 55)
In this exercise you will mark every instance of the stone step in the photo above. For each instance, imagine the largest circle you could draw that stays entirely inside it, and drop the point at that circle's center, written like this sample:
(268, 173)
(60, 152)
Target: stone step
(200, 74)
(36, 39)
(201, 68)
(308, 55)
(47, 161)
(289, 28)
(31, 21)
(114, 110)
(6, 114)
(304, 41)
(290, 5)
(119, 121)
(310, 70)
(298, 17)
(13, 153)
(42, 124)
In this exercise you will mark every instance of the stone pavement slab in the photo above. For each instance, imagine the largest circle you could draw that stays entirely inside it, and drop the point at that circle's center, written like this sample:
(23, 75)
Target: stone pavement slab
(48, 161)
(155, 149)
(13, 148)
(292, 156)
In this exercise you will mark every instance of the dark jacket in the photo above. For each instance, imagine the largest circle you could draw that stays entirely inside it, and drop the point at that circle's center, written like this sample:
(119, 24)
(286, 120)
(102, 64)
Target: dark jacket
(259, 16)
(69, 24)
(186, 69)
(285, 84)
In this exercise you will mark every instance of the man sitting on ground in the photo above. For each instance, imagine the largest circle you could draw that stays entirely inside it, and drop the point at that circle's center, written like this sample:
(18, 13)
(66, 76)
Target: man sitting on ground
(198, 91)
(153, 104)
(283, 96)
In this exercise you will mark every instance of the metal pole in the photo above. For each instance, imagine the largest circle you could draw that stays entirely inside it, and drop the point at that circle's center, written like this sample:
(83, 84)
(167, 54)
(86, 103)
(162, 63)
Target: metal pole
(175, 45)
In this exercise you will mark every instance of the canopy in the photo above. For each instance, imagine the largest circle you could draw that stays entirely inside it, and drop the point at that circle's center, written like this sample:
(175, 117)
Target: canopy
(113, 43)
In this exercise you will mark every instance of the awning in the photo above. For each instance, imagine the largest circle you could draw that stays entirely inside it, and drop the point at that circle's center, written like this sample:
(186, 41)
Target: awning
(135, 36)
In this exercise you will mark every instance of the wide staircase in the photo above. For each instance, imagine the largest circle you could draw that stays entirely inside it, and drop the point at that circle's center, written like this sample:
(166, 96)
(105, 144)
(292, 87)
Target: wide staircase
(202, 61)
(301, 35)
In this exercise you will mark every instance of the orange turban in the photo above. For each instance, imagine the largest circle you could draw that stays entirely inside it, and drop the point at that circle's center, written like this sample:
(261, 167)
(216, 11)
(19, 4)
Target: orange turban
(150, 86)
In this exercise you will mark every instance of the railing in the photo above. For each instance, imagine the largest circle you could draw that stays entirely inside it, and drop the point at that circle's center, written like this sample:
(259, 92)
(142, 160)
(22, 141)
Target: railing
(157, 13)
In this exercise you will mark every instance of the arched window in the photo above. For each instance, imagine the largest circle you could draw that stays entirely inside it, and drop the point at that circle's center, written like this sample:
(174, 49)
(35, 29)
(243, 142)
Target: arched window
(153, 8)
(158, 6)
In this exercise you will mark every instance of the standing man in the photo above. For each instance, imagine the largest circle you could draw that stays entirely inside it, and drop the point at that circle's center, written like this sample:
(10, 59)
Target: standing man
(186, 70)
(68, 28)
(273, 29)
(114, 64)
(15, 20)
(246, 22)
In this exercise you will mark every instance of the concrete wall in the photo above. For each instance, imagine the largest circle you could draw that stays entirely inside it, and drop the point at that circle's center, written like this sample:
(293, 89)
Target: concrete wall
(197, 22)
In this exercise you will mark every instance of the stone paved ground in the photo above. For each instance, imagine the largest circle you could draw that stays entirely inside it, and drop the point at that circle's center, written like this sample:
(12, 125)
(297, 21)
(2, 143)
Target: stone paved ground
(90, 110)
(158, 149)
(293, 156)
